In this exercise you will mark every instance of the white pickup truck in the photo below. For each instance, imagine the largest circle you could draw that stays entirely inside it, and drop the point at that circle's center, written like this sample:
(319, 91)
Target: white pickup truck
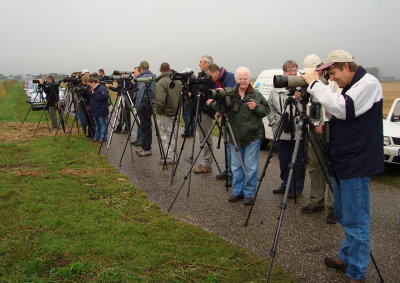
(391, 134)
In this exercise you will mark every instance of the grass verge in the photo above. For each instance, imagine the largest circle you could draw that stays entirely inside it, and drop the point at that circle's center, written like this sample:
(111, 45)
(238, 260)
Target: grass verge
(68, 215)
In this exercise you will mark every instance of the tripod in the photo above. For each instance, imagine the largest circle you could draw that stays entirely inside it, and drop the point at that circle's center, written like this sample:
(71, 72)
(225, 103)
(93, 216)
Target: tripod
(197, 118)
(228, 125)
(303, 133)
(42, 100)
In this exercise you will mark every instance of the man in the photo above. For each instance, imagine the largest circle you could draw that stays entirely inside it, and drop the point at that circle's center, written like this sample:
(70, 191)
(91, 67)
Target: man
(317, 201)
(356, 150)
(205, 121)
(85, 72)
(223, 79)
(145, 104)
(285, 143)
(187, 112)
(138, 141)
(52, 98)
(98, 106)
(167, 101)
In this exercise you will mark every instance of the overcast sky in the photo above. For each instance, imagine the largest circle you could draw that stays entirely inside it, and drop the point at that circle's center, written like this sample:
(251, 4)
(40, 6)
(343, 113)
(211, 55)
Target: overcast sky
(64, 36)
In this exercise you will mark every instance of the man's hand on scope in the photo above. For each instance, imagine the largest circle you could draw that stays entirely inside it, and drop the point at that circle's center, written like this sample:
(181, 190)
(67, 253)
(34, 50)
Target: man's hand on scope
(41, 81)
(310, 77)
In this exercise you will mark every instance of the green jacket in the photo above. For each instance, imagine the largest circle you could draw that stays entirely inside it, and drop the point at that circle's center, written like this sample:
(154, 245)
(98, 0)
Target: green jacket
(167, 99)
(246, 124)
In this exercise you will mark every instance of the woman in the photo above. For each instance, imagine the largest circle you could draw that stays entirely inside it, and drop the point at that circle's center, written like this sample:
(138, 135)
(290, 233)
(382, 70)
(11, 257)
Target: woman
(245, 116)
(98, 106)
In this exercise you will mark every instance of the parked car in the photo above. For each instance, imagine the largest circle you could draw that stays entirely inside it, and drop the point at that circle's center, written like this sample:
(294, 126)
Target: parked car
(391, 134)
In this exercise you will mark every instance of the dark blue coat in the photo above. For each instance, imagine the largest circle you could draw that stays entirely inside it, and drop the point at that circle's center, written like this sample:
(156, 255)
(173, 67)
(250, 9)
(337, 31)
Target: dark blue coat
(99, 101)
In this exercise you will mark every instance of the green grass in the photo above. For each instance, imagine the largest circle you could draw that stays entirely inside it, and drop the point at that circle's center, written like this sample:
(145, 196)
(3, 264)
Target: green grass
(68, 215)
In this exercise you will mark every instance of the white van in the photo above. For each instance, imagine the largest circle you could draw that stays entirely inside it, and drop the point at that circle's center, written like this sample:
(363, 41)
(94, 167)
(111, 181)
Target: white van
(264, 84)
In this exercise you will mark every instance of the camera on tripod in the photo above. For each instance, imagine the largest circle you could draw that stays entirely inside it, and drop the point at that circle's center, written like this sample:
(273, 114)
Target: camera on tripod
(225, 95)
(281, 81)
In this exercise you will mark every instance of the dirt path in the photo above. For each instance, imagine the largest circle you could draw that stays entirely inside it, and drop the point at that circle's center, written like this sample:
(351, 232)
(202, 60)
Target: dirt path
(304, 240)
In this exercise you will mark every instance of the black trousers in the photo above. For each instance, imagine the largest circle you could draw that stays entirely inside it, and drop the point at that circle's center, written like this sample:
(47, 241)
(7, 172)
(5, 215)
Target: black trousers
(145, 127)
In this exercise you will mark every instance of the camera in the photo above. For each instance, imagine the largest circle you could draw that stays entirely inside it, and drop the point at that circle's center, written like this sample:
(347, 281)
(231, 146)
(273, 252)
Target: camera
(281, 81)
(183, 77)
(36, 81)
(224, 95)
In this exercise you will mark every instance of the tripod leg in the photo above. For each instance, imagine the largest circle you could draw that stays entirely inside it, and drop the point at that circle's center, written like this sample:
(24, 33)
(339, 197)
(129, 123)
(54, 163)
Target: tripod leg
(194, 161)
(284, 202)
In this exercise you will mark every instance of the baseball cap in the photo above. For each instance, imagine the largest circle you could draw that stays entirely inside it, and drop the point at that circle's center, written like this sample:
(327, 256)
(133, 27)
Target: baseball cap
(337, 56)
(187, 70)
(144, 65)
(85, 71)
(310, 63)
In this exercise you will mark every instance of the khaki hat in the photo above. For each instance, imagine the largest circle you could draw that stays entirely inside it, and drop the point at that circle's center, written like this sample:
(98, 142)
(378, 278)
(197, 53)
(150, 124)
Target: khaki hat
(85, 71)
(144, 65)
(310, 63)
(337, 56)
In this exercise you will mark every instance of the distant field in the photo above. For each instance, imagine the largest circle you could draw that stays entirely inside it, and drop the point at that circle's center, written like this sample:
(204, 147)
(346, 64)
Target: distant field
(391, 91)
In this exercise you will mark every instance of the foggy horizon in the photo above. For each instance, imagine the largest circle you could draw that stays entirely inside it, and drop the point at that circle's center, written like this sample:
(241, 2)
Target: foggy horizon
(53, 36)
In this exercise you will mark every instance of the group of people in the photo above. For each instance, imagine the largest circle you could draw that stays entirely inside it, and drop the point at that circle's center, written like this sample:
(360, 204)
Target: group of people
(351, 110)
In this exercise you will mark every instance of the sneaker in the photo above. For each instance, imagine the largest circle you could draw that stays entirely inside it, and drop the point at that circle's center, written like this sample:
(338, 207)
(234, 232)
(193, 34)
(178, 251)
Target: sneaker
(144, 153)
(330, 218)
(234, 198)
(187, 136)
(294, 195)
(168, 161)
(335, 263)
(278, 191)
(311, 208)
(221, 176)
(202, 169)
(248, 201)
(350, 280)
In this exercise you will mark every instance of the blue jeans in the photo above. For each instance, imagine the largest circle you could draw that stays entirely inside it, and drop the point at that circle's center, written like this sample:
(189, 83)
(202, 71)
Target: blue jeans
(82, 119)
(250, 154)
(353, 213)
(100, 123)
(189, 129)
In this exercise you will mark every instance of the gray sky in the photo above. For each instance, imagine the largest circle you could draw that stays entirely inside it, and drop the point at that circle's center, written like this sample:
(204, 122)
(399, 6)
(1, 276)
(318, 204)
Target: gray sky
(45, 36)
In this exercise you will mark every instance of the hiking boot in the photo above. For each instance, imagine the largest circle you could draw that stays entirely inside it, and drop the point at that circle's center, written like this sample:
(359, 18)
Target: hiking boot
(144, 153)
(139, 150)
(330, 218)
(202, 169)
(221, 176)
(137, 143)
(311, 208)
(248, 201)
(278, 191)
(335, 263)
(234, 198)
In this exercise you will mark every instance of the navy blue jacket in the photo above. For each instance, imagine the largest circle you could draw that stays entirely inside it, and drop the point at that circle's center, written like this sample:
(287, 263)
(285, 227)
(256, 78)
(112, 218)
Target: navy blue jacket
(99, 101)
(356, 128)
(225, 79)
